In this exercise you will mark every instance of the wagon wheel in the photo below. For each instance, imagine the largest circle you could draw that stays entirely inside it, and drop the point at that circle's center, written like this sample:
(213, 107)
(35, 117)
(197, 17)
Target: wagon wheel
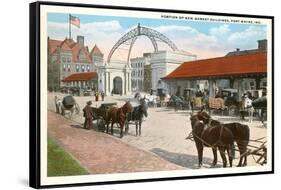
(232, 110)
(101, 124)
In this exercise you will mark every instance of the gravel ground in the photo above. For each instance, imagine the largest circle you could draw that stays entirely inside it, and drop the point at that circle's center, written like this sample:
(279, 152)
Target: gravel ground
(164, 132)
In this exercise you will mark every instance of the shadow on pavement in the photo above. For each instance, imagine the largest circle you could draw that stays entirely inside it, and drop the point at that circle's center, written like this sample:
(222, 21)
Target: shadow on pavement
(184, 160)
(77, 126)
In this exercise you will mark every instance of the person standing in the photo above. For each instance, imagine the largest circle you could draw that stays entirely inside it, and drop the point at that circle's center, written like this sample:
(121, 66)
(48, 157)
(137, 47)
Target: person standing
(242, 107)
(97, 96)
(102, 96)
(88, 114)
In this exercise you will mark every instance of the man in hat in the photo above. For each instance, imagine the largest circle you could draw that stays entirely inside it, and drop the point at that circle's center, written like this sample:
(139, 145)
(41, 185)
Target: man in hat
(88, 114)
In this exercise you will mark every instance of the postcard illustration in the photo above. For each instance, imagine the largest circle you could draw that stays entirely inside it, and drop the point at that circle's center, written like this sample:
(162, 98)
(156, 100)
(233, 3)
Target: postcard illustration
(136, 95)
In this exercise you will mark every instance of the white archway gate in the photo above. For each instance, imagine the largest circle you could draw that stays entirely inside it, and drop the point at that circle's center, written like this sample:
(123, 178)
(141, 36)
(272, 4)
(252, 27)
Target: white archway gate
(111, 70)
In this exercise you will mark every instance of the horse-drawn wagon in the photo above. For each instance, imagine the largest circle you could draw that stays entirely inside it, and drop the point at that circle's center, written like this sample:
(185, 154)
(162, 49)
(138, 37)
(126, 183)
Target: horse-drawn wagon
(101, 114)
(66, 105)
(235, 132)
(260, 105)
(177, 102)
(231, 101)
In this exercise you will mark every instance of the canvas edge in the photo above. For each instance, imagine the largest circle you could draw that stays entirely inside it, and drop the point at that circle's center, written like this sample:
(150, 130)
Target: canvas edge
(34, 96)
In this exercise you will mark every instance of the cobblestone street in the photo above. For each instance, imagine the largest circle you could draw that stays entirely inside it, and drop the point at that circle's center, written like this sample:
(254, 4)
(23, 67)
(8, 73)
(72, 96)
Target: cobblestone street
(163, 136)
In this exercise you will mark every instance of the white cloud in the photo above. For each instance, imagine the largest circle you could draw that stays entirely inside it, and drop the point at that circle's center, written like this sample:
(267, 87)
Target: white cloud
(248, 35)
(218, 40)
(110, 26)
(220, 31)
(173, 28)
(104, 34)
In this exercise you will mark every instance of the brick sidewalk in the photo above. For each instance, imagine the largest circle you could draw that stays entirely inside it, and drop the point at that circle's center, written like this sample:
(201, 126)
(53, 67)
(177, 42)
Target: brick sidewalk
(101, 153)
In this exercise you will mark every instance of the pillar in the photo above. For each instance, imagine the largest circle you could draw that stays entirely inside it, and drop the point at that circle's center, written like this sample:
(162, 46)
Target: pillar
(258, 82)
(212, 88)
(231, 82)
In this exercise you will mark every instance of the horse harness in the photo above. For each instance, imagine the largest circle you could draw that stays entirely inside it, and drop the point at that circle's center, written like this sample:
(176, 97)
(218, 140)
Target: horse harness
(205, 128)
(221, 129)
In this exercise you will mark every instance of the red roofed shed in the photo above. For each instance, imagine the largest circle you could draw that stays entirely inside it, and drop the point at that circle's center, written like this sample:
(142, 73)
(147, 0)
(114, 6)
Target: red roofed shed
(222, 67)
(81, 77)
(243, 72)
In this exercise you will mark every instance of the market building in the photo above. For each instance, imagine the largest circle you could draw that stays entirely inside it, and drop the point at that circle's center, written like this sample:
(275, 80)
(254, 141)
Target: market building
(241, 70)
(148, 70)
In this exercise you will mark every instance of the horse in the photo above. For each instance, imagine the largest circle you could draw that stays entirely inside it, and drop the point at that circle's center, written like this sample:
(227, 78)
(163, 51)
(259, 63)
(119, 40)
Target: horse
(216, 137)
(260, 104)
(118, 115)
(176, 102)
(61, 109)
(240, 132)
(137, 115)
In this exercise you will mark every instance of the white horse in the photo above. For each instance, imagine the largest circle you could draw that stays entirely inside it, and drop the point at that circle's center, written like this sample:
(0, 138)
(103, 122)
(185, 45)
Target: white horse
(61, 109)
(151, 100)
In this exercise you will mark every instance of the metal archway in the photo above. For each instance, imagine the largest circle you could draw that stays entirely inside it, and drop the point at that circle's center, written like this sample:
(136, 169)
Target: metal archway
(138, 31)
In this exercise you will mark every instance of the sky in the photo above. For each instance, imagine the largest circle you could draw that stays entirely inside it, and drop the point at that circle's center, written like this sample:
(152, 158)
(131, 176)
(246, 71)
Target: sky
(204, 39)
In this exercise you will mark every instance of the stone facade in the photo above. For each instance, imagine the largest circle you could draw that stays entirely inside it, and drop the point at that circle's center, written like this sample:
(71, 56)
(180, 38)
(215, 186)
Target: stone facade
(147, 78)
(148, 70)
(115, 78)
(164, 62)
(138, 65)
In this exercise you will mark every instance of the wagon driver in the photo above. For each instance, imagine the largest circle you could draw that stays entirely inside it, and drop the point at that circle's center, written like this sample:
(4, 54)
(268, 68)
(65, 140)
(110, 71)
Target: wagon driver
(88, 114)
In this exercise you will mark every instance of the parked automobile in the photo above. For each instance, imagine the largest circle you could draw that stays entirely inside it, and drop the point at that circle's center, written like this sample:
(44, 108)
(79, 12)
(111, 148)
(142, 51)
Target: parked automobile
(64, 89)
(87, 92)
(231, 100)
(75, 91)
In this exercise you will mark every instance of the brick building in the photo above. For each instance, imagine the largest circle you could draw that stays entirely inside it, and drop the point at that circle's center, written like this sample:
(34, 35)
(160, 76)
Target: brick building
(68, 57)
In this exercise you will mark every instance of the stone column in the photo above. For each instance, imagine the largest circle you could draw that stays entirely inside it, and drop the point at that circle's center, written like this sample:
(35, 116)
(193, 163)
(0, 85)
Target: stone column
(125, 83)
(212, 88)
(258, 82)
(108, 82)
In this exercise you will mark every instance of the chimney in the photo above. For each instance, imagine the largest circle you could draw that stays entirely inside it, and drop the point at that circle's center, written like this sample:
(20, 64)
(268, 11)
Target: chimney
(262, 45)
(80, 40)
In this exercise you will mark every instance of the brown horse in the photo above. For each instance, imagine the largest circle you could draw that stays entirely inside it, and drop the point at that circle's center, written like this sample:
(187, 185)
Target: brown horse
(216, 137)
(240, 132)
(118, 115)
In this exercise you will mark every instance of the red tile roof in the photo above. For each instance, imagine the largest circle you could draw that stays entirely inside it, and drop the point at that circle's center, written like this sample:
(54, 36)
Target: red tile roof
(64, 46)
(75, 48)
(96, 51)
(255, 63)
(81, 77)
(76, 51)
(53, 45)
